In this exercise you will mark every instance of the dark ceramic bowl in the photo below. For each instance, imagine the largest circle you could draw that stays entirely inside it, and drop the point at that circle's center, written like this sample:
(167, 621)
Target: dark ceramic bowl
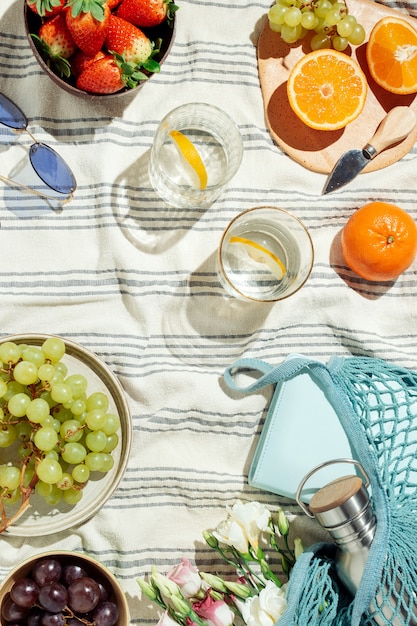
(164, 31)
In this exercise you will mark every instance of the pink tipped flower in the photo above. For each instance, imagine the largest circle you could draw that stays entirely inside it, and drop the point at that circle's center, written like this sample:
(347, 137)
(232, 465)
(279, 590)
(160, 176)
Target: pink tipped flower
(215, 612)
(187, 578)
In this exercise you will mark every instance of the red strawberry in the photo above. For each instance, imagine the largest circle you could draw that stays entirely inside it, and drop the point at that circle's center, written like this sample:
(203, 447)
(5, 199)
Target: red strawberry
(46, 8)
(103, 76)
(146, 13)
(80, 61)
(128, 40)
(87, 21)
(55, 34)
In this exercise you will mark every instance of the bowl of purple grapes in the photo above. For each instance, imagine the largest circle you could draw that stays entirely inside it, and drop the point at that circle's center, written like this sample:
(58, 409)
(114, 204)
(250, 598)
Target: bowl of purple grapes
(62, 588)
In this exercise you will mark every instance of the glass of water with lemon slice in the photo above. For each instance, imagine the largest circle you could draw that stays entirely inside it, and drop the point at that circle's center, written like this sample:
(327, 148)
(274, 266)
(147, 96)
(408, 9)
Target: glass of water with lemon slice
(265, 254)
(196, 151)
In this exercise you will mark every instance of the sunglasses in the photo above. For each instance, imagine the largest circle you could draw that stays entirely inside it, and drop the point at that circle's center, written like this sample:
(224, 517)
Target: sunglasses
(48, 165)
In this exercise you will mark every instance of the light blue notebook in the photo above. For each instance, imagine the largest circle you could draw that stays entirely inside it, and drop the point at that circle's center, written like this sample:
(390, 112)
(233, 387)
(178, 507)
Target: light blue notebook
(301, 431)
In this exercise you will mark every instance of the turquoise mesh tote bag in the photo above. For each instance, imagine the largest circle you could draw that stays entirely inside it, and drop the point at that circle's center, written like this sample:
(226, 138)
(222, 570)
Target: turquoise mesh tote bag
(376, 406)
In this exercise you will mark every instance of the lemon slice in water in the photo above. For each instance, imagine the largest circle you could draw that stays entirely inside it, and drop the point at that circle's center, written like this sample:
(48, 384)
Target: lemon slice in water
(191, 155)
(262, 255)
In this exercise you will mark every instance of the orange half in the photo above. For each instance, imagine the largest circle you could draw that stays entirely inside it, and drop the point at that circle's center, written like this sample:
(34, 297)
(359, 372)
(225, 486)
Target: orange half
(327, 89)
(391, 53)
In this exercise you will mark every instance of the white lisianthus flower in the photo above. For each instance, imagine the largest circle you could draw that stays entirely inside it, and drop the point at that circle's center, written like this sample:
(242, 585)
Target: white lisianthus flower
(243, 526)
(266, 608)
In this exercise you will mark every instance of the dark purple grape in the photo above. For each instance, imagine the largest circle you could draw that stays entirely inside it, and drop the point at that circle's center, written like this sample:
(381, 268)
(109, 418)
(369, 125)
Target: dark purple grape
(34, 616)
(104, 592)
(24, 592)
(46, 571)
(106, 614)
(53, 597)
(73, 621)
(12, 612)
(71, 572)
(83, 595)
(53, 619)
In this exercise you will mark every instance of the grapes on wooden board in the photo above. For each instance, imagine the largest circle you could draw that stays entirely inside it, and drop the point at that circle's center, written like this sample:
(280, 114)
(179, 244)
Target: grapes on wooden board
(60, 432)
(56, 594)
(330, 21)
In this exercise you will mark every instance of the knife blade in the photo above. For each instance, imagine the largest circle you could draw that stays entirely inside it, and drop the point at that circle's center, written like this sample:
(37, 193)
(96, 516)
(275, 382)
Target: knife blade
(395, 127)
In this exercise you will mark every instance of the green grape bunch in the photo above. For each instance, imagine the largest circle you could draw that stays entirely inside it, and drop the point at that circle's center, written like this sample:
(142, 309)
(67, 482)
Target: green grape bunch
(57, 432)
(330, 21)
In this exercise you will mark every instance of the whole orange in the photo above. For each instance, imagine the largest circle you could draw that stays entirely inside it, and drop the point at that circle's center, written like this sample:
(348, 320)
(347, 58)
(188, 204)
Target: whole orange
(379, 241)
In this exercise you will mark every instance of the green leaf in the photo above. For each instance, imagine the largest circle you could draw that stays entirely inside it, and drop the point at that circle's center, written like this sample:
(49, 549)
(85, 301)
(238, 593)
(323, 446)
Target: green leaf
(151, 66)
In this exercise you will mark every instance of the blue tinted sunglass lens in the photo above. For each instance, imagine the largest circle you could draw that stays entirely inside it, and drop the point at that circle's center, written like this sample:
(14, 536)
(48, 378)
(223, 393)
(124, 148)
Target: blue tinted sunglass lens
(52, 169)
(11, 115)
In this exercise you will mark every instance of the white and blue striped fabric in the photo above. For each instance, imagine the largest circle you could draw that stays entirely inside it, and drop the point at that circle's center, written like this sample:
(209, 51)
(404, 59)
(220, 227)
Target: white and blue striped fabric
(135, 282)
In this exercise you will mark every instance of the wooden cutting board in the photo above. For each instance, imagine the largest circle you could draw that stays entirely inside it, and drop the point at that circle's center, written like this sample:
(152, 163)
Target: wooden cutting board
(319, 150)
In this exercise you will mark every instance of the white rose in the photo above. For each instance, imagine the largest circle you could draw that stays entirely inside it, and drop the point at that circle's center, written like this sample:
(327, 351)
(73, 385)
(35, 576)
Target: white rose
(266, 608)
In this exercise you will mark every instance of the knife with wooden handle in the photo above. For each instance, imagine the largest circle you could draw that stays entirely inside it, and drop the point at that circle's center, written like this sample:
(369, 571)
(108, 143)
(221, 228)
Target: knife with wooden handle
(395, 127)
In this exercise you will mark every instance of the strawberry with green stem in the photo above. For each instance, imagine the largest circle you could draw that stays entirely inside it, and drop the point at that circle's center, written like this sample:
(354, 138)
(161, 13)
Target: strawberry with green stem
(87, 21)
(55, 44)
(147, 13)
(46, 8)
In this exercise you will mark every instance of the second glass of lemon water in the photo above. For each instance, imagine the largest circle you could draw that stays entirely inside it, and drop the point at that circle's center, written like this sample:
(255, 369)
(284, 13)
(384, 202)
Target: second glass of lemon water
(265, 254)
(196, 151)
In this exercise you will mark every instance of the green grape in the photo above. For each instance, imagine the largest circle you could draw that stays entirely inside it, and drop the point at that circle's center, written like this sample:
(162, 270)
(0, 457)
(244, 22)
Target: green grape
(275, 27)
(81, 473)
(96, 441)
(45, 438)
(43, 489)
(78, 407)
(12, 497)
(96, 419)
(9, 352)
(61, 368)
(71, 430)
(345, 26)
(73, 496)
(309, 21)
(332, 17)
(3, 387)
(7, 435)
(12, 389)
(24, 450)
(54, 497)
(23, 430)
(28, 475)
(9, 477)
(78, 384)
(291, 34)
(112, 441)
(322, 8)
(94, 461)
(357, 36)
(34, 355)
(61, 392)
(276, 14)
(25, 373)
(340, 43)
(52, 454)
(18, 404)
(112, 424)
(62, 414)
(293, 16)
(320, 41)
(49, 470)
(53, 349)
(97, 401)
(73, 453)
(46, 371)
(37, 411)
(108, 463)
(65, 482)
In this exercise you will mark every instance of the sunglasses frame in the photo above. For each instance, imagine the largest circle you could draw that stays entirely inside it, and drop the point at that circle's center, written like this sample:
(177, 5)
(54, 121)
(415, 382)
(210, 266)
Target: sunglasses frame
(20, 126)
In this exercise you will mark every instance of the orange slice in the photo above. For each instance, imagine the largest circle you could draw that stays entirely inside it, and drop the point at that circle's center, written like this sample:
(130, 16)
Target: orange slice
(262, 255)
(191, 156)
(391, 53)
(327, 89)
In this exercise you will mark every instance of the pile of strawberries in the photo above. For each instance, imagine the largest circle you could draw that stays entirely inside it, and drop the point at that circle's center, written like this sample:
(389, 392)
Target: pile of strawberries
(99, 45)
